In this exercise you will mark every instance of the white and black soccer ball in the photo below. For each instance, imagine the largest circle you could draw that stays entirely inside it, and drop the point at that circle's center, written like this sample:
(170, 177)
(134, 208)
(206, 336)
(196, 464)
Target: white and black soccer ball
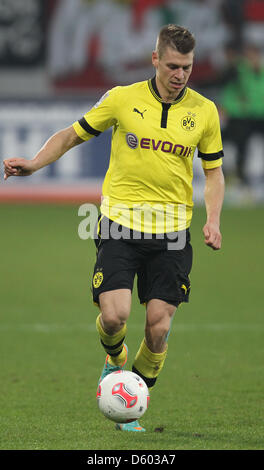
(122, 396)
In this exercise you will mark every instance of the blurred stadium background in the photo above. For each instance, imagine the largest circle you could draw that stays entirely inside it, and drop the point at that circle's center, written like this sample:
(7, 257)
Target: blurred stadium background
(57, 57)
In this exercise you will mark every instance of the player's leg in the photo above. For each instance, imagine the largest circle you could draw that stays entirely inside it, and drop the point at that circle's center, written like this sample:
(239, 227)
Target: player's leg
(115, 268)
(115, 308)
(111, 325)
(118, 262)
(113, 278)
(152, 353)
(163, 283)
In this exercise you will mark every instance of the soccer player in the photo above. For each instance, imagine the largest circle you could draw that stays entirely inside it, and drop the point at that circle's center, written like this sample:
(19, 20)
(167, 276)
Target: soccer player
(157, 125)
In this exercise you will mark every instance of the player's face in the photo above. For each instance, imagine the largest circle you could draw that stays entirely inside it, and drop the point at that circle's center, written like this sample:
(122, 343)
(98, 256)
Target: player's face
(173, 70)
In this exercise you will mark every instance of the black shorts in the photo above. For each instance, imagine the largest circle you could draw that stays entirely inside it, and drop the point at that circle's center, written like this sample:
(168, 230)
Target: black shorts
(161, 273)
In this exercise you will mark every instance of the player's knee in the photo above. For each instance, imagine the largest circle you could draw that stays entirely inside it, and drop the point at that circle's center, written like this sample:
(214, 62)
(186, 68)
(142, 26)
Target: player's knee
(113, 320)
(115, 309)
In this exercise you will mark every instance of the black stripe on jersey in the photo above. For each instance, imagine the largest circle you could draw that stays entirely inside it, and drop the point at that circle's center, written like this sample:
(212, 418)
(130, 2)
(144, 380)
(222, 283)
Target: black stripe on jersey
(84, 124)
(165, 106)
(164, 115)
(209, 157)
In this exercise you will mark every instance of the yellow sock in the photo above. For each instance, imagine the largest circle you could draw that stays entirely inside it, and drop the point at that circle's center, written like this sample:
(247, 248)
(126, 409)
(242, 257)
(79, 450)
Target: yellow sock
(113, 345)
(120, 359)
(148, 364)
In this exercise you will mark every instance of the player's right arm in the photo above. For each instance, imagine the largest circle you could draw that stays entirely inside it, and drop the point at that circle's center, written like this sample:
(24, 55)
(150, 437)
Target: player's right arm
(97, 120)
(52, 150)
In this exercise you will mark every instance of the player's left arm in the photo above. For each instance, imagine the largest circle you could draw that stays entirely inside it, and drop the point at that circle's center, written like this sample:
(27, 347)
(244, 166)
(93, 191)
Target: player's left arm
(213, 196)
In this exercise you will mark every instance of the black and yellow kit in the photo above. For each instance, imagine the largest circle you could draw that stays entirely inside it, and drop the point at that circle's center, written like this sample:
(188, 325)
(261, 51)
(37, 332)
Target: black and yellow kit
(150, 172)
(162, 273)
(151, 165)
(153, 145)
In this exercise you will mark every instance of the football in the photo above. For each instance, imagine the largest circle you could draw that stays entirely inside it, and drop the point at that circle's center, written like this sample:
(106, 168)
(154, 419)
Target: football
(122, 396)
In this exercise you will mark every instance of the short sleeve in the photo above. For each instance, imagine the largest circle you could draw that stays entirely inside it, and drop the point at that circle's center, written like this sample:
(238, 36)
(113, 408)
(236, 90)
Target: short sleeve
(101, 116)
(210, 147)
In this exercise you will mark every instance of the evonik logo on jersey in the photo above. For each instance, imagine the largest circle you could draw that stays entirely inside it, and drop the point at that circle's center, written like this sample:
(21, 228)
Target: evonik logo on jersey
(163, 145)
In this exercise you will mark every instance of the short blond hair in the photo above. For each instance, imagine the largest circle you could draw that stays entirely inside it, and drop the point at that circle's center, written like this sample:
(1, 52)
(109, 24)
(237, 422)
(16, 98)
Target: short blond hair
(177, 37)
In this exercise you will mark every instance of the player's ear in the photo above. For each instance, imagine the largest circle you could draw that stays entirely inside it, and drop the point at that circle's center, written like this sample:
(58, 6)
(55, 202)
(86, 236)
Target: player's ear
(155, 58)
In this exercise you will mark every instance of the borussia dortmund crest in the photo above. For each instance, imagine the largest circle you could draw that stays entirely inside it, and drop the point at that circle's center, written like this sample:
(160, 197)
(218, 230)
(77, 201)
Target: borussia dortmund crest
(188, 122)
(98, 279)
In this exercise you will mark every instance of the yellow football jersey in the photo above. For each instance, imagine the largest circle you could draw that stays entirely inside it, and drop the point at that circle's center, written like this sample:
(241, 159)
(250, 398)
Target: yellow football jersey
(151, 161)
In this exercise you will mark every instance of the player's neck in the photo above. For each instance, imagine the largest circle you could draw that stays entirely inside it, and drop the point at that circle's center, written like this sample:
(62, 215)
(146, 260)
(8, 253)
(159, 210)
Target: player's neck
(166, 95)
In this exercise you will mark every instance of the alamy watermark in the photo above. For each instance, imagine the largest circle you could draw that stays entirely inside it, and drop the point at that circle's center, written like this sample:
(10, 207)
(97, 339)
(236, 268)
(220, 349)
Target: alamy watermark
(160, 218)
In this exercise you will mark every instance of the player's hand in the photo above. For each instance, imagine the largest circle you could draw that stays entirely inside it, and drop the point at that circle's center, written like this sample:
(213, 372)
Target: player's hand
(18, 167)
(212, 235)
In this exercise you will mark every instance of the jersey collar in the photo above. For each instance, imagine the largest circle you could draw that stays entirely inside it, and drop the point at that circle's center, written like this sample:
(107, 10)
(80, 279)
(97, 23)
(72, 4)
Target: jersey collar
(155, 92)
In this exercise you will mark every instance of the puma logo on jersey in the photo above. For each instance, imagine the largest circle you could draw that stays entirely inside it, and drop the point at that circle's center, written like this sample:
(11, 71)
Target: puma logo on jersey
(135, 110)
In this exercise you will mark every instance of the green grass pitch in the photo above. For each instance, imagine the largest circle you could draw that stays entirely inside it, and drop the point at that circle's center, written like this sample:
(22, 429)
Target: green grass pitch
(210, 392)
